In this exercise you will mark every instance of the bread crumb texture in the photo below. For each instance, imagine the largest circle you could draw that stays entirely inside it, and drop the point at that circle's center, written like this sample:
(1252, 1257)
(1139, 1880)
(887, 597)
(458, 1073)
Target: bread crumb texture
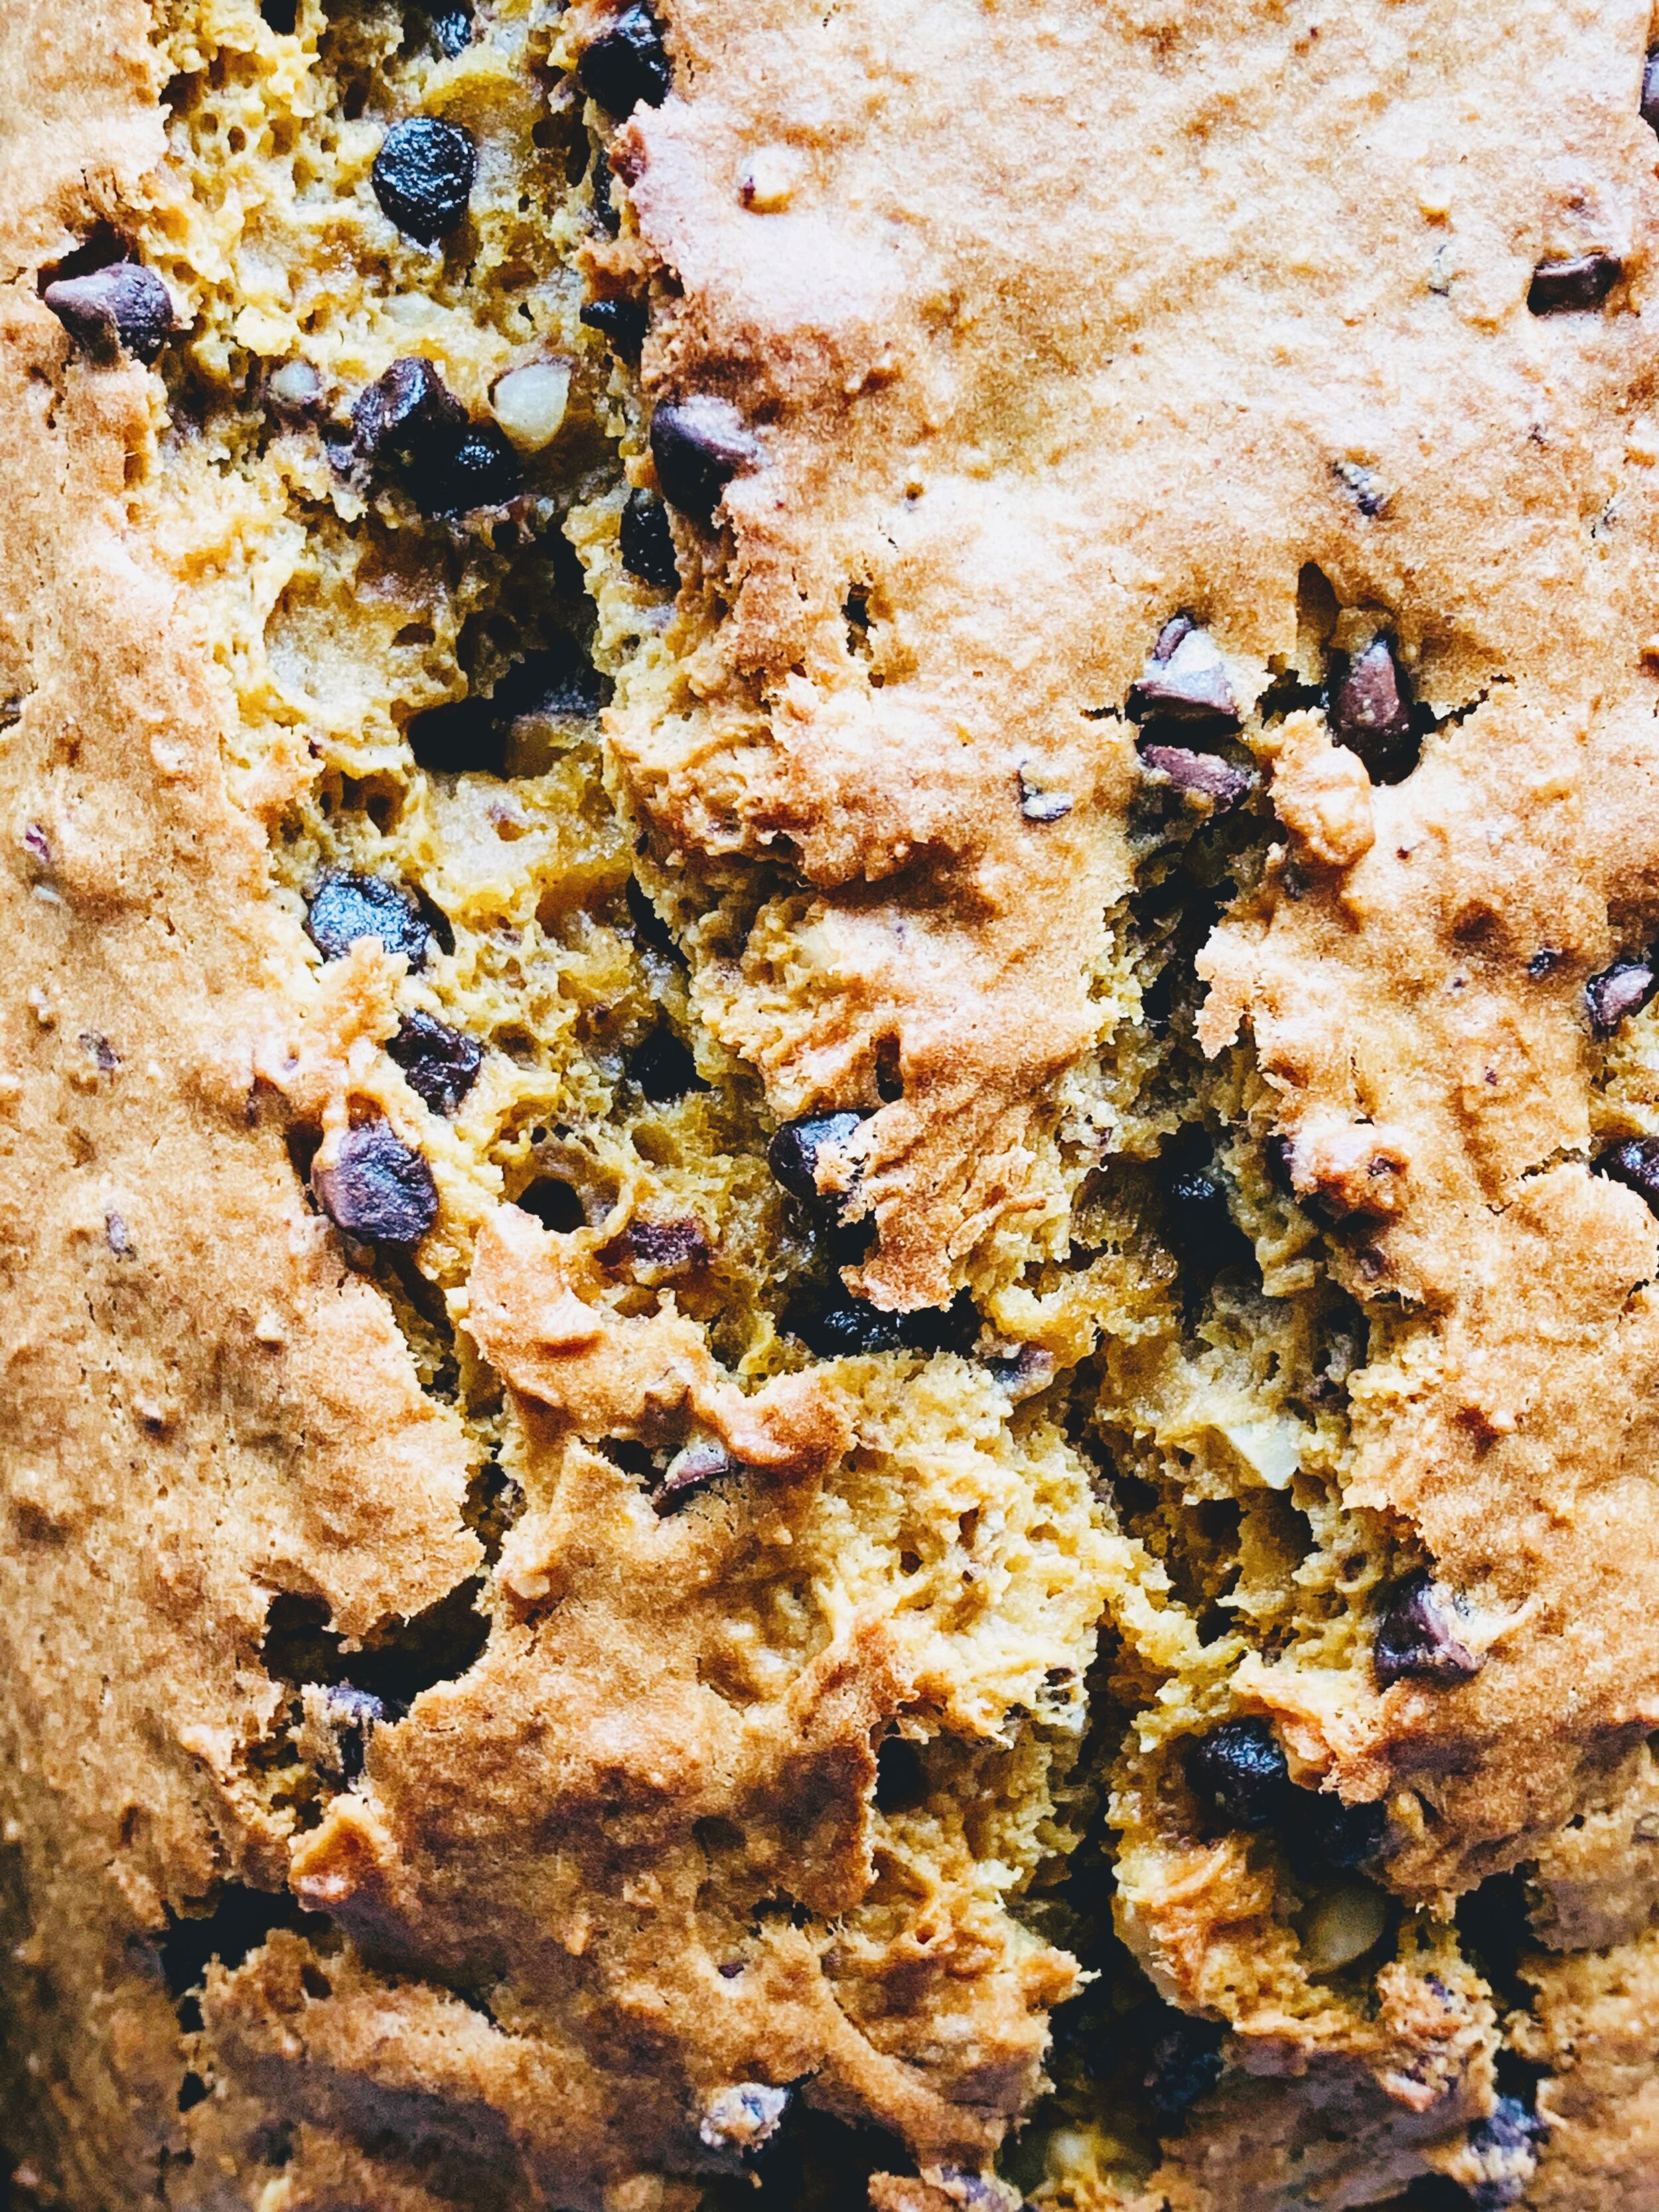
(829, 1112)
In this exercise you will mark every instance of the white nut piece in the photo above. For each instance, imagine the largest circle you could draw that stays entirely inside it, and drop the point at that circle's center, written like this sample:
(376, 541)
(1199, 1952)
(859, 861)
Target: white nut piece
(1344, 1925)
(767, 181)
(742, 2117)
(529, 403)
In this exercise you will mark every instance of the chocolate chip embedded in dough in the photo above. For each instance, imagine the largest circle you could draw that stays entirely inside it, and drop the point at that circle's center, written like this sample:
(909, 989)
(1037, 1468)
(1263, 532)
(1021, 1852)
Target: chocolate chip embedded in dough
(346, 908)
(440, 1064)
(423, 175)
(1332, 1834)
(840, 1327)
(1584, 281)
(699, 445)
(627, 64)
(408, 415)
(481, 469)
(1238, 1773)
(1618, 991)
(792, 1154)
(1185, 678)
(1651, 91)
(1635, 1162)
(647, 543)
(1184, 2061)
(1417, 1638)
(379, 1189)
(1370, 712)
(123, 307)
(1215, 784)
(621, 323)
(666, 1248)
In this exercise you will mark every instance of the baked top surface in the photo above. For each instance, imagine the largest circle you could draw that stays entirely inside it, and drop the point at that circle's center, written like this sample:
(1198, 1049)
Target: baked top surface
(577, 1633)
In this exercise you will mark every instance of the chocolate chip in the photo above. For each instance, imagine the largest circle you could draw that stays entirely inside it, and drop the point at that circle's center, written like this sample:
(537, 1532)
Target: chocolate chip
(793, 1152)
(690, 1471)
(1621, 990)
(440, 1064)
(840, 1327)
(1184, 2061)
(1332, 1834)
(1214, 783)
(1031, 1370)
(1506, 2145)
(621, 323)
(1560, 287)
(665, 1248)
(480, 470)
(599, 190)
(345, 908)
(1238, 1773)
(627, 64)
(664, 1068)
(1635, 1162)
(120, 308)
(1545, 962)
(1185, 678)
(1417, 1638)
(451, 31)
(379, 1189)
(1370, 712)
(699, 445)
(1651, 91)
(647, 543)
(1038, 804)
(407, 417)
(423, 175)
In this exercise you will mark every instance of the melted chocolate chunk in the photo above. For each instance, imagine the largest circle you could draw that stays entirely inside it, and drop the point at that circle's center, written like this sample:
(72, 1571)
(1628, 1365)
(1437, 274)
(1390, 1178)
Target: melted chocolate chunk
(1184, 2060)
(379, 1189)
(621, 323)
(647, 543)
(1561, 287)
(423, 175)
(120, 308)
(1623, 989)
(1635, 1162)
(1651, 91)
(480, 470)
(345, 908)
(440, 1064)
(1186, 679)
(1370, 712)
(699, 445)
(1238, 1774)
(664, 1068)
(627, 64)
(407, 417)
(665, 1248)
(1417, 1638)
(1215, 783)
(793, 1152)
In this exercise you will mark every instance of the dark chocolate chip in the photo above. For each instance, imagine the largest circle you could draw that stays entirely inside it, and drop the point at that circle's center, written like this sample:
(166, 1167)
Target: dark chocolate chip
(699, 445)
(1543, 963)
(1417, 1638)
(440, 1064)
(1559, 287)
(345, 908)
(407, 417)
(666, 1248)
(649, 923)
(464, 738)
(1186, 677)
(123, 307)
(647, 542)
(1370, 712)
(1184, 2061)
(621, 323)
(379, 1188)
(794, 1152)
(1506, 2144)
(1215, 783)
(480, 470)
(690, 1471)
(1623, 989)
(1332, 1834)
(842, 1327)
(451, 30)
(423, 175)
(604, 206)
(627, 64)
(664, 1068)
(1635, 1162)
(1651, 91)
(1238, 1773)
